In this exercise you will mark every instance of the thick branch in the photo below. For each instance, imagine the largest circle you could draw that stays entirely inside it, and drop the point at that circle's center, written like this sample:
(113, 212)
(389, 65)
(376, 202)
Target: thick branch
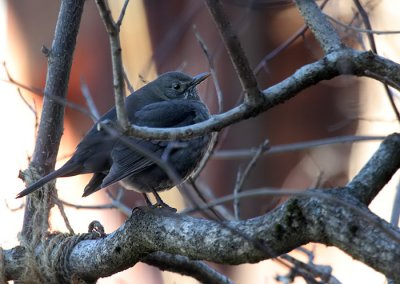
(52, 118)
(377, 172)
(298, 221)
(318, 23)
(345, 61)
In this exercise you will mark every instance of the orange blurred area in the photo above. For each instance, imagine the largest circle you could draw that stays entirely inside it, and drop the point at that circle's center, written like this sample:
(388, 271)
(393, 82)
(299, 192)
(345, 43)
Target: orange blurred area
(158, 36)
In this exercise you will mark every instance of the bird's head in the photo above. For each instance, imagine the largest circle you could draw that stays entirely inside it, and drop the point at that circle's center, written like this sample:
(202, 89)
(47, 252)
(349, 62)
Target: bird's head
(177, 85)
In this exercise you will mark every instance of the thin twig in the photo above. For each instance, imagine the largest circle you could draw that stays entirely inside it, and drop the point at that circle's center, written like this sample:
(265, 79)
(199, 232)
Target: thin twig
(299, 146)
(89, 101)
(113, 30)
(204, 199)
(60, 206)
(367, 23)
(127, 82)
(122, 14)
(40, 92)
(253, 95)
(242, 176)
(212, 68)
(20, 85)
(90, 207)
(371, 39)
(214, 136)
(312, 270)
(184, 265)
(360, 30)
(117, 203)
(208, 194)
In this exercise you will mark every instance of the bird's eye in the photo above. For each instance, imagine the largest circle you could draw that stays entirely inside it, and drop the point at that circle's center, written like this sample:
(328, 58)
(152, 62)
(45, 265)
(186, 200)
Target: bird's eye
(176, 86)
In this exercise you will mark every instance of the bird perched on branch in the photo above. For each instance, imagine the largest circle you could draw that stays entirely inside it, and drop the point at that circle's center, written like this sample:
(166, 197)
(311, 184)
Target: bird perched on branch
(143, 165)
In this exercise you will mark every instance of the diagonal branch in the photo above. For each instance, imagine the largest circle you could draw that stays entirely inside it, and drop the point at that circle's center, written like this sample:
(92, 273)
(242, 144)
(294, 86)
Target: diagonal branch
(318, 23)
(370, 180)
(253, 95)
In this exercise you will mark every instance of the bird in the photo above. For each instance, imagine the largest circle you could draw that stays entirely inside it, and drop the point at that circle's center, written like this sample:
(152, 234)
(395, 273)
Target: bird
(171, 100)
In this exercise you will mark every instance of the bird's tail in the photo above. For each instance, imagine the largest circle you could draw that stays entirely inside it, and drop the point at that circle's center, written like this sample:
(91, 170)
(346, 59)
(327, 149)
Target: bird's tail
(65, 170)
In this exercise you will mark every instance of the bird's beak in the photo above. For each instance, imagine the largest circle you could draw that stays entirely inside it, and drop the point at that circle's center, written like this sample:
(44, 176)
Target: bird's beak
(200, 78)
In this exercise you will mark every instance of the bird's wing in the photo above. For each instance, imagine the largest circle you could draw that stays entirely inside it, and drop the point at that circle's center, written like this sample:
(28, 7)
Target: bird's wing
(173, 113)
(126, 160)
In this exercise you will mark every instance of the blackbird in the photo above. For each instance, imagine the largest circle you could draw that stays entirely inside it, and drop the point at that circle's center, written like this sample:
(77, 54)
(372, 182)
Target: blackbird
(169, 101)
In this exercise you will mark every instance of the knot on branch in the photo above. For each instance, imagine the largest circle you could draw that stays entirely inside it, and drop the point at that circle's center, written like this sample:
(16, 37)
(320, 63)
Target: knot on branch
(48, 261)
(46, 258)
(40, 202)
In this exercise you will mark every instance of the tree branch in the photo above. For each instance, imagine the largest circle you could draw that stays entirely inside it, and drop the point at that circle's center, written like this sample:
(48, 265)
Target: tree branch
(253, 95)
(343, 62)
(370, 180)
(183, 265)
(52, 118)
(298, 221)
(322, 29)
(116, 58)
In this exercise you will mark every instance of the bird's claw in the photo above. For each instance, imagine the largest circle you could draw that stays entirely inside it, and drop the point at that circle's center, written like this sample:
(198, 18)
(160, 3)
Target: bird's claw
(163, 206)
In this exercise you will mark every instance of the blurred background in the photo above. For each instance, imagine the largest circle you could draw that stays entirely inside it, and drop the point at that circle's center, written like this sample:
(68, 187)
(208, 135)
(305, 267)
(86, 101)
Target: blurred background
(160, 36)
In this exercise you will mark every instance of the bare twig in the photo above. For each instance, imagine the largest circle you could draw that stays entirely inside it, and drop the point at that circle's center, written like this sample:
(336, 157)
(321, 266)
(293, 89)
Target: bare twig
(117, 201)
(122, 14)
(89, 101)
(89, 207)
(212, 68)
(184, 265)
(299, 33)
(361, 30)
(214, 136)
(299, 146)
(60, 206)
(242, 176)
(371, 39)
(367, 23)
(311, 270)
(127, 82)
(253, 95)
(20, 85)
(204, 199)
(206, 195)
(38, 91)
(113, 30)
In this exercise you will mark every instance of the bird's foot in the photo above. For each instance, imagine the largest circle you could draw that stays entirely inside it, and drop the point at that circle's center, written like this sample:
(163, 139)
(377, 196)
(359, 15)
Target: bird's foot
(160, 204)
(163, 206)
